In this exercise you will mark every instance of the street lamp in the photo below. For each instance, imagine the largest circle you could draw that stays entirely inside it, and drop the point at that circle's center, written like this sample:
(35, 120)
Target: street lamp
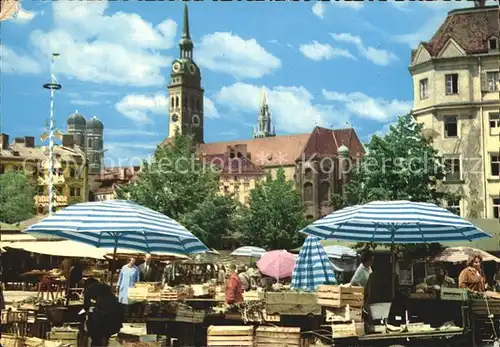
(52, 86)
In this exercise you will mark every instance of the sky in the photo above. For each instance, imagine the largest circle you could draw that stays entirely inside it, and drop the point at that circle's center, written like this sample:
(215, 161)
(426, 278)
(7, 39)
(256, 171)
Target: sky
(332, 64)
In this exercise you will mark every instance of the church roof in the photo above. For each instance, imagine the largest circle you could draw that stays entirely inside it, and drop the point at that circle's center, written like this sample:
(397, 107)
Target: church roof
(469, 27)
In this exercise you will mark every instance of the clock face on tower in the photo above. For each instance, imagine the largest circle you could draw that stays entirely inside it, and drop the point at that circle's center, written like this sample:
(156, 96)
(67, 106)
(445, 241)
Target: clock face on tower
(176, 67)
(175, 118)
(196, 120)
(192, 69)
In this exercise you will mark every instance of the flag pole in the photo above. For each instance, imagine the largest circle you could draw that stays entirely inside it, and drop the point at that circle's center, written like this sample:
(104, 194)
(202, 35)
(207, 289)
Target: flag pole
(52, 86)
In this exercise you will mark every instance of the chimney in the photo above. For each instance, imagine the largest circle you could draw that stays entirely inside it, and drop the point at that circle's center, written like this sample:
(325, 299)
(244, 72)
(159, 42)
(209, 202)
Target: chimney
(19, 140)
(68, 141)
(29, 141)
(4, 141)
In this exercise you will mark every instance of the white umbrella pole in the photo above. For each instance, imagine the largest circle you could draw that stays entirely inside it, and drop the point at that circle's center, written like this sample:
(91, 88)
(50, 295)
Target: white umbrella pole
(113, 265)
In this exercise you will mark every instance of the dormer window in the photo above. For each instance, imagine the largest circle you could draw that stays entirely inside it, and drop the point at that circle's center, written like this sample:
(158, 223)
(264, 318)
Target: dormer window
(493, 43)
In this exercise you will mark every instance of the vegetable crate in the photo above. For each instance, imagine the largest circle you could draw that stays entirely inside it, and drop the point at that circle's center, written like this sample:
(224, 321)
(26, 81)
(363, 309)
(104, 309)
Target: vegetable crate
(230, 335)
(454, 294)
(347, 330)
(277, 337)
(343, 314)
(338, 296)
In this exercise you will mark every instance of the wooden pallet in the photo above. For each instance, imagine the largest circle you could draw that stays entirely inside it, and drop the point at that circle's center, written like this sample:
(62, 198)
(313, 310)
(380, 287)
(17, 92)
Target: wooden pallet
(230, 336)
(343, 314)
(277, 337)
(338, 296)
(454, 294)
(483, 308)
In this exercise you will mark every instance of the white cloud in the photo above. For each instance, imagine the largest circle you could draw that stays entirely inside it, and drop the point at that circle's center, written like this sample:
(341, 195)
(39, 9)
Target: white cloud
(209, 109)
(319, 9)
(353, 4)
(24, 16)
(377, 56)
(140, 107)
(11, 62)
(293, 109)
(319, 51)
(121, 49)
(228, 53)
(123, 154)
(81, 102)
(367, 107)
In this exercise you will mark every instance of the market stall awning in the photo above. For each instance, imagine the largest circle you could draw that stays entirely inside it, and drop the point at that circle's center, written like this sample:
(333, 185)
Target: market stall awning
(64, 248)
(462, 254)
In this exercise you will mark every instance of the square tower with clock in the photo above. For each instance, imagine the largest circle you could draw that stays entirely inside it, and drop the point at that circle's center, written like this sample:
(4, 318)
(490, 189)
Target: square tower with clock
(185, 91)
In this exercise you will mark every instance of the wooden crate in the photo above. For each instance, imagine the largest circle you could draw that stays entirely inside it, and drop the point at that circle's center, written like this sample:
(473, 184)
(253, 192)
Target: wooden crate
(67, 338)
(277, 337)
(188, 315)
(263, 317)
(292, 303)
(454, 294)
(424, 296)
(9, 317)
(230, 336)
(253, 295)
(347, 330)
(7, 340)
(138, 293)
(483, 308)
(169, 296)
(343, 314)
(338, 296)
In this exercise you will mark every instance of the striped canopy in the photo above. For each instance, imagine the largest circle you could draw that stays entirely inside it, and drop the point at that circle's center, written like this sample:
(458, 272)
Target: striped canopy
(249, 251)
(312, 267)
(395, 222)
(120, 223)
(339, 252)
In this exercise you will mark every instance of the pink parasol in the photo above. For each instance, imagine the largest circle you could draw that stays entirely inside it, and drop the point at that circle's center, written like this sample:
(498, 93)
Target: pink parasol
(277, 264)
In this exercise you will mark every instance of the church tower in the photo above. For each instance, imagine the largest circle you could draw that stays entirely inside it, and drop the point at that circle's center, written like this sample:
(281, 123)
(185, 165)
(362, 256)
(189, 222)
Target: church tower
(185, 91)
(264, 127)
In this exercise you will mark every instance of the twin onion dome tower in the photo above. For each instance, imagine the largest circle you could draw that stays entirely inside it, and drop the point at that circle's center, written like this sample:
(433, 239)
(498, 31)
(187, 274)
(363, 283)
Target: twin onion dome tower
(88, 135)
(186, 94)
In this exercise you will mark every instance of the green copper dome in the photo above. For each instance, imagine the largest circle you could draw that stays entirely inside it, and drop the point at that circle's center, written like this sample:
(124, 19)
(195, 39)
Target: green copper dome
(95, 123)
(76, 119)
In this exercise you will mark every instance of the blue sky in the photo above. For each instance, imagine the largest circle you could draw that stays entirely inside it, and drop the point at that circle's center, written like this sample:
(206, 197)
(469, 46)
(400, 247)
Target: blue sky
(323, 64)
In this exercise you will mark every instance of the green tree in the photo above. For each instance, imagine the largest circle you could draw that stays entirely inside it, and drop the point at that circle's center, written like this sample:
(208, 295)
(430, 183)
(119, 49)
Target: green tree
(400, 165)
(16, 197)
(180, 185)
(275, 214)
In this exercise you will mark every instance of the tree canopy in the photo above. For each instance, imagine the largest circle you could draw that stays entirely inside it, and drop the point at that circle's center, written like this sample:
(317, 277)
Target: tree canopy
(275, 214)
(178, 184)
(400, 165)
(16, 197)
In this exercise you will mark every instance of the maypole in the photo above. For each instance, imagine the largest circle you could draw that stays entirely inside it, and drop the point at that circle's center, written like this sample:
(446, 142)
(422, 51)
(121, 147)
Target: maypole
(52, 86)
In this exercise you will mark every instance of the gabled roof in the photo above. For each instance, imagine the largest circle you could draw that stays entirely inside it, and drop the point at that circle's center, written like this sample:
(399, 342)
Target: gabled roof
(234, 166)
(469, 27)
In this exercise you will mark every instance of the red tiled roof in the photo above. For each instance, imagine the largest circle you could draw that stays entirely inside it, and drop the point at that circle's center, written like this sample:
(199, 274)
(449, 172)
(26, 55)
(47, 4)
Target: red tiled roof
(470, 28)
(234, 166)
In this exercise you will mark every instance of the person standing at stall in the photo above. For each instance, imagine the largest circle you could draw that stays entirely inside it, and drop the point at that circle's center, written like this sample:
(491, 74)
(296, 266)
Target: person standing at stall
(148, 270)
(104, 317)
(234, 288)
(472, 277)
(364, 270)
(129, 276)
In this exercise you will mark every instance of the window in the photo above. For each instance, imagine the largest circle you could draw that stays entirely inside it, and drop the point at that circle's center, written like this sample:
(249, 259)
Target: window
(247, 200)
(40, 190)
(493, 43)
(324, 192)
(496, 208)
(494, 120)
(492, 79)
(184, 102)
(452, 169)
(74, 191)
(495, 165)
(172, 102)
(176, 101)
(198, 107)
(2, 169)
(424, 88)
(308, 192)
(308, 174)
(72, 173)
(450, 126)
(89, 143)
(454, 206)
(451, 83)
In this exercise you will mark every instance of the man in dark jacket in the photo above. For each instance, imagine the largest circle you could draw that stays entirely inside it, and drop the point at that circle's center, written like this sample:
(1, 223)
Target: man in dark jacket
(106, 316)
(148, 271)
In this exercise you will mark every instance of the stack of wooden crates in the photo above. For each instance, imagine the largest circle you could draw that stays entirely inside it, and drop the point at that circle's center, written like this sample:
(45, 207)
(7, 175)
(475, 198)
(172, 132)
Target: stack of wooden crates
(343, 307)
(277, 337)
(235, 336)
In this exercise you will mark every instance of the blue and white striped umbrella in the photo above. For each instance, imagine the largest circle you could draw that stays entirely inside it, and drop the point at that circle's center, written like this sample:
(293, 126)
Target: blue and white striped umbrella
(312, 267)
(339, 252)
(395, 222)
(120, 223)
(249, 251)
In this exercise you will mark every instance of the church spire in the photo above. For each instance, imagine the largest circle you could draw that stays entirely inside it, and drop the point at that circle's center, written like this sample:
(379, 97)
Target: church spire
(264, 127)
(186, 45)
